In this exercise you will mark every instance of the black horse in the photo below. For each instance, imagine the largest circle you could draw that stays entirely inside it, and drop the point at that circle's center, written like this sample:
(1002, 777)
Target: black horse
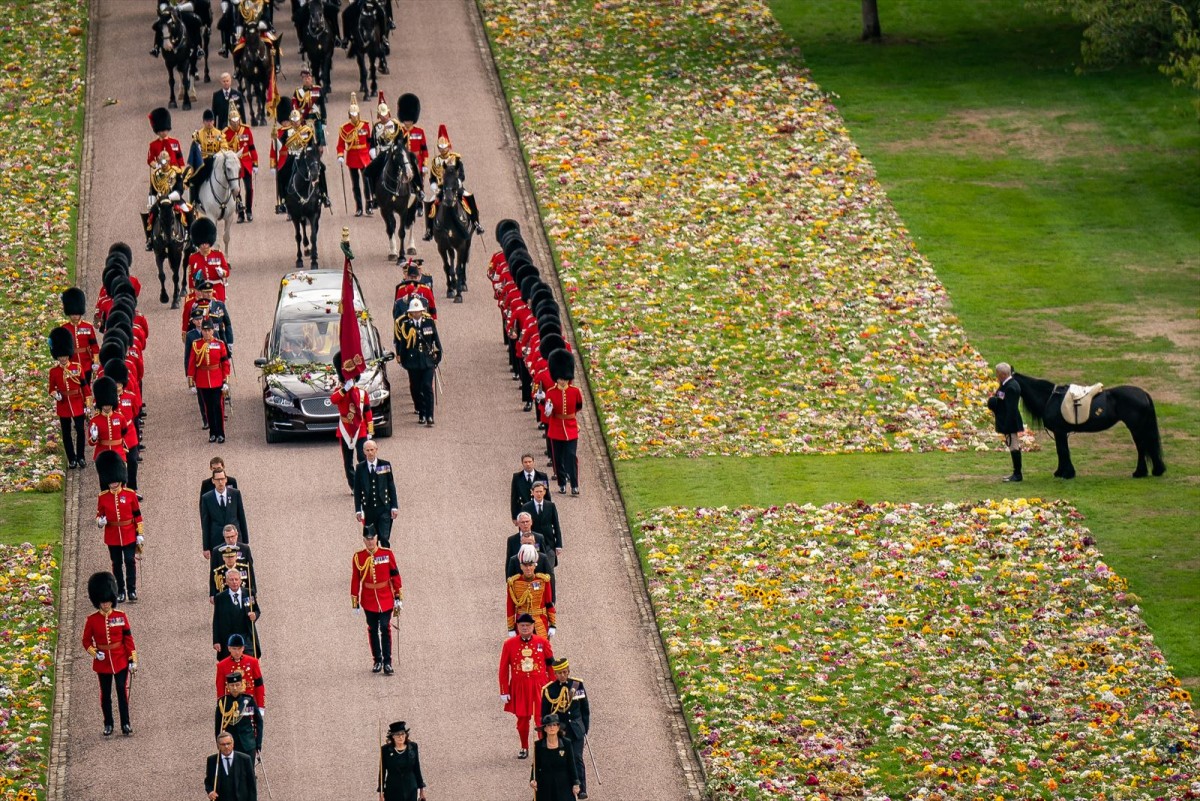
(316, 41)
(170, 240)
(203, 11)
(1130, 405)
(368, 39)
(452, 233)
(253, 65)
(394, 198)
(179, 54)
(302, 197)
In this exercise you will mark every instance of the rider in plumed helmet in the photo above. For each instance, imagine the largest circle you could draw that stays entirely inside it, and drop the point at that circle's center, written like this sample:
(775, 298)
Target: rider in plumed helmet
(447, 159)
(165, 156)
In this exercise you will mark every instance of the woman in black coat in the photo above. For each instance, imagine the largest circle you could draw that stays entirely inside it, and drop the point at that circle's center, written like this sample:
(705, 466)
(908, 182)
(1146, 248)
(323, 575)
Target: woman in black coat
(400, 767)
(552, 775)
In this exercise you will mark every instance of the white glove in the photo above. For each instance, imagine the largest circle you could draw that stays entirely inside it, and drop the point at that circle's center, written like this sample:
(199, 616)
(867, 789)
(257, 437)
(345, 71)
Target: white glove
(357, 611)
(58, 396)
(361, 517)
(224, 7)
(433, 187)
(272, 172)
(225, 387)
(512, 634)
(349, 385)
(101, 521)
(99, 656)
(133, 667)
(505, 698)
(540, 396)
(192, 390)
(95, 432)
(141, 540)
(551, 631)
(371, 152)
(221, 272)
(341, 159)
(261, 711)
(548, 409)
(256, 169)
(174, 197)
(399, 604)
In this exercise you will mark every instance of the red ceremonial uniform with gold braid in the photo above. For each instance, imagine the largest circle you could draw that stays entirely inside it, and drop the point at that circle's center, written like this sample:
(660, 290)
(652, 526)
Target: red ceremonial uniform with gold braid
(208, 363)
(241, 142)
(561, 423)
(87, 346)
(109, 433)
(173, 149)
(354, 414)
(208, 265)
(68, 382)
(251, 672)
(524, 671)
(123, 515)
(419, 145)
(375, 581)
(109, 634)
(129, 405)
(354, 143)
(533, 595)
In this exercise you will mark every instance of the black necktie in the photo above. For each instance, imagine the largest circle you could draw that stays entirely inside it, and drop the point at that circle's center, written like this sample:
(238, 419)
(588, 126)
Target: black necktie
(227, 94)
(372, 465)
(538, 506)
(529, 478)
(221, 499)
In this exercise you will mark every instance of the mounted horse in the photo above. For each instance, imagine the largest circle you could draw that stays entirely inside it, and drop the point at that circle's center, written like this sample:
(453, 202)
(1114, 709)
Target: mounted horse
(178, 53)
(170, 242)
(1066, 409)
(252, 62)
(302, 198)
(452, 232)
(368, 35)
(220, 197)
(203, 11)
(317, 40)
(395, 199)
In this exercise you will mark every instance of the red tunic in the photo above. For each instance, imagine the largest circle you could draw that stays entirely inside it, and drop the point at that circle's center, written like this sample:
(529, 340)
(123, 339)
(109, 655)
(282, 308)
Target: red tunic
(109, 634)
(251, 674)
(215, 269)
(566, 404)
(406, 289)
(242, 140)
(524, 671)
(87, 346)
(208, 363)
(68, 383)
(419, 146)
(130, 404)
(171, 145)
(187, 311)
(375, 580)
(123, 515)
(354, 144)
(107, 433)
(354, 413)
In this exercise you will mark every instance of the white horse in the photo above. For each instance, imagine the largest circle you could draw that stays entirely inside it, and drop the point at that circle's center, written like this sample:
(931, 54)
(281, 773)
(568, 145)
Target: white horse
(221, 195)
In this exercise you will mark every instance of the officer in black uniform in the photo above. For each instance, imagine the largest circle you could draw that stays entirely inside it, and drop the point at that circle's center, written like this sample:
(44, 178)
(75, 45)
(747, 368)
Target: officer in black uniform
(567, 698)
(232, 559)
(420, 351)
(238, 714)
(375, 501)
(1005, 404)
(218, 313)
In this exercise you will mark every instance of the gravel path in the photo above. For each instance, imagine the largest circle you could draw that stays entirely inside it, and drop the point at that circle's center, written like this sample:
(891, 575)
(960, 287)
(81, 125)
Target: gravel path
(324, 706)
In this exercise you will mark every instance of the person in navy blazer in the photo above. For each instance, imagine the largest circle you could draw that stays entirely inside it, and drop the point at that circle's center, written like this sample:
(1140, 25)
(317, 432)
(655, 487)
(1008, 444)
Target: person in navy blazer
(229, 774)
(544, 516)
(375, 502)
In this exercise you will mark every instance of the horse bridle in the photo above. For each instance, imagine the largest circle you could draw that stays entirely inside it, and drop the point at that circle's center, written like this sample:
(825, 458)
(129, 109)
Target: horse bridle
(165, 206)
(393, 188)
(220, 180)
(303, 160)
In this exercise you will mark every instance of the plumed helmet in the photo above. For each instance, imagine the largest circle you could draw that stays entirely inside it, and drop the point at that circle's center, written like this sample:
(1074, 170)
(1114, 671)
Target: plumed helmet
(204, 231)
(283, 110)
(382, 109)
(505, 226)
(74, 301)
(104, 389)
(443, 140)
(353, 111)
(102, 588)
(123, 248)
(416, 305)
(118, 371)
(295, 116)
(111, 349)
(561, 364)
(62, 342)
(234, 117)
(550, 343)
(111, 469)
(527, 554)
(408, 108)
(160, 120)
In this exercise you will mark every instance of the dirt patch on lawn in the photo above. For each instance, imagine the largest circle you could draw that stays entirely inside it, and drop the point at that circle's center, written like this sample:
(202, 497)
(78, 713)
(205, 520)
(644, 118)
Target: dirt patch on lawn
(1037, 135)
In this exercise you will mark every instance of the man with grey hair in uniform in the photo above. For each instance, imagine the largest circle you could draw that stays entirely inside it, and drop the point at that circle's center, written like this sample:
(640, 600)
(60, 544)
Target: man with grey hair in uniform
(1005, 405)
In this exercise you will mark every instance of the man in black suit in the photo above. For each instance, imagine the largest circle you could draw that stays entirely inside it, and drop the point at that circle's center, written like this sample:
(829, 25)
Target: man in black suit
(524, 526)
(234, 543)
(229, 775)
(223, 98)
(1005, 404)
(375, 502)
(544, 518)
(522, 485)
(544, 564)
(234, 612)
(215, 463)
(218, 508)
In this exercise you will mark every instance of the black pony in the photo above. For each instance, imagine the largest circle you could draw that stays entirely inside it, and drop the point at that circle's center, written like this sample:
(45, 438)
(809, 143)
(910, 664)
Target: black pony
(452, 232)
(179, 54)
(1130, 405)
(302, 198)
(253, 67)
(170, 240)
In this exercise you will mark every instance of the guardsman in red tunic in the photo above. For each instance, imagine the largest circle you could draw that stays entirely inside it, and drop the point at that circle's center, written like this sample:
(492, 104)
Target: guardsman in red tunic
(107, 428)
(70, 395)
(531, 593)
(239, 661)
(87, 344)
(120, 516)
(208, 373)
(376, 589)
(109, 641)
(408, 111)
(129, 404)
(560, 408)
(241, 141)
(355, 422)
(524, 671)
(207, 262)
(413, 284)
(176, 162)
(354, 151)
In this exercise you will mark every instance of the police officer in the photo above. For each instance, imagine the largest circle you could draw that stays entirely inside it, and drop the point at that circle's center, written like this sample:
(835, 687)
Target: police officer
(567, 698)
(420, 351)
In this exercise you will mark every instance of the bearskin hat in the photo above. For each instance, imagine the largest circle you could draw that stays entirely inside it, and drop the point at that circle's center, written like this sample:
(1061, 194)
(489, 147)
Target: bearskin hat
(505, 227)
(551, 343)
(118, 371)
(102, 587)
(561, 364)
(121, 247)
(125, 305)
(104, 389)
(160, 120)
(284, 110)
(123, 286)
(109, 350)
(204, 232)
(74, 301)
(408, 107)
(538, 297)
(545, 304)
(117, 259)
(545, 329)
(111, 468)
(62, 342)
(337, 365)
(518, 256)
(528, 285)
(520, 270)
(118, 320)
(110, 278)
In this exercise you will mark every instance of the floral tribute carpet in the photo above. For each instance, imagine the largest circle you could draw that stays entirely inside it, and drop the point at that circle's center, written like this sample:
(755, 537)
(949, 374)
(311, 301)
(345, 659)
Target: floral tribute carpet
(28, 621)
(41, 86)
(740, 282)
(905, 651)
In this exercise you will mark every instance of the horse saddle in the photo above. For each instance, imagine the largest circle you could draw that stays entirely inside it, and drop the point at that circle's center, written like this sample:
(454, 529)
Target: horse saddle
(1077, 402)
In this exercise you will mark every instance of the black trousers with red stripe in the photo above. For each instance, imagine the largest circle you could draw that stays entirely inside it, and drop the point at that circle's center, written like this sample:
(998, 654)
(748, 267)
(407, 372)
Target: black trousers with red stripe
(106, 693)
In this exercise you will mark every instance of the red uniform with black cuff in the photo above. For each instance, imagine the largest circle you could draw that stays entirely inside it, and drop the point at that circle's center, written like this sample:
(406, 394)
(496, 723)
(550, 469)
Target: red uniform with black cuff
(109, 634)
(122, 514)
(375, 584)
(208, 363)
(68, 383)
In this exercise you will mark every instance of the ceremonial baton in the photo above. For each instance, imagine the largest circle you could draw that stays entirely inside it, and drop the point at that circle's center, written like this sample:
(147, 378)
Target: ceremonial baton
(266, 779)
(345, 203)
(595, 770)
(379, 733)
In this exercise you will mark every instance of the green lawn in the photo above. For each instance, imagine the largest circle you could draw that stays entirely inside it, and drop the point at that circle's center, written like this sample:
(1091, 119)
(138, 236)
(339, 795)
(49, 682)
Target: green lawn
(33, 517)
(1062, 211)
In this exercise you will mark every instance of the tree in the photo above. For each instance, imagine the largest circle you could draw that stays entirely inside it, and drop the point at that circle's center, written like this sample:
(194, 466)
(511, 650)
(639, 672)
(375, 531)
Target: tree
(871, 30)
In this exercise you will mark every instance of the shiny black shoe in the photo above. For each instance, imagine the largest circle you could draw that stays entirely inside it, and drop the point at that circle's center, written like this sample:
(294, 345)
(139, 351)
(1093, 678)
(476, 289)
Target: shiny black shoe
(428, 237)
(204, 425)
(223, 52)
(132, 597)
(120, 597)
(212, 437)
(421, 420)
(126, 730)
(108, 730)
(388, 670)
(378, 666)
(220, 440)
(523, 754)
(149, 246)
(429, 422)
(249, 216)
(582, 795)
(528, 406)
(155, 52)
